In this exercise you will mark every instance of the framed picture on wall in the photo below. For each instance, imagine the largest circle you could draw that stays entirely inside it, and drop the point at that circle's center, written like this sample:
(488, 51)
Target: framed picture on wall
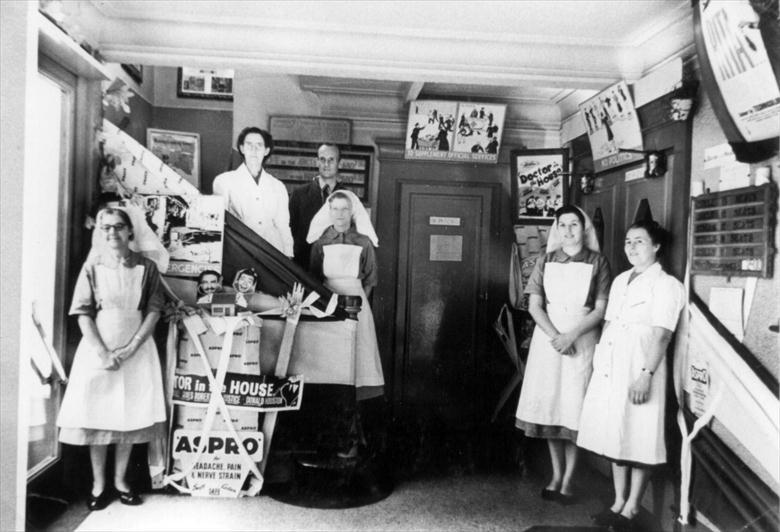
(179, 150)
(539, 184)
(205, 83)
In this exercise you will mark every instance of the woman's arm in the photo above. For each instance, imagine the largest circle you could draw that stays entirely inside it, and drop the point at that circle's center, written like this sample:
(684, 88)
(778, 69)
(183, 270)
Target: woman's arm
(144, 331)
(564, 342)
(639, 391)
(539, 314)
(90, 333)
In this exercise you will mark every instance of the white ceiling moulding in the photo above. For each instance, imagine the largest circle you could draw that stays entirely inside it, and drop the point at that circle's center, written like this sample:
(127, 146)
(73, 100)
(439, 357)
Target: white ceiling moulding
(372, 56)
(597, 22)
(355, 68)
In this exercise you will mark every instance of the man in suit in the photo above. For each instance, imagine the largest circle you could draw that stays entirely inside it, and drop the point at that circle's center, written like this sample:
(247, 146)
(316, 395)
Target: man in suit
(307, 199)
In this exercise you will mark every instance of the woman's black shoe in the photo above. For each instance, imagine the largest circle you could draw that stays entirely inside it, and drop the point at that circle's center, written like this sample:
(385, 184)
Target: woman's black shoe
(624, 524)
(99, 502)
(566, 500)
(129, 498)
(605, 517)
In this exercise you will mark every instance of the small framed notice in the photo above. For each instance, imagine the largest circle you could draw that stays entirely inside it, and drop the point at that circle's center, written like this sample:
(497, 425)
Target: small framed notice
(446, 248)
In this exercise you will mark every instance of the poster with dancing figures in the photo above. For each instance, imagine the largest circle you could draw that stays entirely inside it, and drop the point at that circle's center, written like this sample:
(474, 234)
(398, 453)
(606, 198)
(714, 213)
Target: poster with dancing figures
(454, 131)
(612, 125)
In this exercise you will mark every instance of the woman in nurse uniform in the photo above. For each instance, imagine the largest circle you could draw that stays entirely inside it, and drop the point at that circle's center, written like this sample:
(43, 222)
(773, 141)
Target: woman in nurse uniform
(623, 412)
(568, 293)
(115, 394)
(342, 255)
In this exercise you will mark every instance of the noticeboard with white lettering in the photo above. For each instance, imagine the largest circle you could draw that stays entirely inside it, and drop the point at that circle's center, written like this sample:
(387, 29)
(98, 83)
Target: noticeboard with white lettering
(733, 232)
(296, 164)
(264, 393)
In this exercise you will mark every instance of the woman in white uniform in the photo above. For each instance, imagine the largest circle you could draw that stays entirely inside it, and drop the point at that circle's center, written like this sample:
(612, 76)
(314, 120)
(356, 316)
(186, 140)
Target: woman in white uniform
(623, 412)
(568, 292)
(253, 195)
(115, 393)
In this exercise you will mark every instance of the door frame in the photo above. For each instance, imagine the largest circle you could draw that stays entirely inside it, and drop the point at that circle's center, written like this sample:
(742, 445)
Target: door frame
(394, 173)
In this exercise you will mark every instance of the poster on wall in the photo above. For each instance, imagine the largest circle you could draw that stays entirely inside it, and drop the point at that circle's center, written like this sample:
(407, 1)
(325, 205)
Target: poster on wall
(612, 125)
(205, 83)
(454, 131)
(177, 149)
(192, 233)
(740, 64)
(539, 184)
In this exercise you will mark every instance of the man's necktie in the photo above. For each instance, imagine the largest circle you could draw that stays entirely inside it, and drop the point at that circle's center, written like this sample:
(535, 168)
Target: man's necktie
(325, 193)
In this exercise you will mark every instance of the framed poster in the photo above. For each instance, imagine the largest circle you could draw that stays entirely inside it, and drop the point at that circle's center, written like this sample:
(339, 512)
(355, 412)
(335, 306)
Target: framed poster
(612, 125)
(539, 185)
(179, 150)
(454, 131)
(205, 83)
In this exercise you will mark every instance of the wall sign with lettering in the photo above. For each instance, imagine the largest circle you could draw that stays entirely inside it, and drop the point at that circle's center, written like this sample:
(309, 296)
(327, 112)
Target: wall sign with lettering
(733, 232)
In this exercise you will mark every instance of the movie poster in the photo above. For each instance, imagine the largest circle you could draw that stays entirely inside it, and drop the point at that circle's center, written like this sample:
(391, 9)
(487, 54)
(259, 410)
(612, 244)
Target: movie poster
(612, 125)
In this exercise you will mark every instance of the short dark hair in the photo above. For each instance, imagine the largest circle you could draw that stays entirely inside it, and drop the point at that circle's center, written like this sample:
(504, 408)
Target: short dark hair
(570, 209)
(330, 145)
(117, 212)
(204, 273)
(658, 235)
(247, 271)
(268, 140)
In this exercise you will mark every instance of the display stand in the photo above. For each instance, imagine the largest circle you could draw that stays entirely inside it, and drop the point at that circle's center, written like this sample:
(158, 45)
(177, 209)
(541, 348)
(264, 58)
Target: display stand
(328, 481)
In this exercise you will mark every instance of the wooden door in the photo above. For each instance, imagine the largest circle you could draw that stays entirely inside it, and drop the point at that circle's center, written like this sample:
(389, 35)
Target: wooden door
(441, 315)
(619, 201)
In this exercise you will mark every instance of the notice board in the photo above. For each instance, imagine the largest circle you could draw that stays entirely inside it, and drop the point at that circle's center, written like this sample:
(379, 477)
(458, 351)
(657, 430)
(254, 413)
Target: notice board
(733, 232)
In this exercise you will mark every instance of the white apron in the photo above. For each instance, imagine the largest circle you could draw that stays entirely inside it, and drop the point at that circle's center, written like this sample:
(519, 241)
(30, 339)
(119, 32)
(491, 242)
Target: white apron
(126, 399)
(611, 425)
(554, 384)
(341, 267)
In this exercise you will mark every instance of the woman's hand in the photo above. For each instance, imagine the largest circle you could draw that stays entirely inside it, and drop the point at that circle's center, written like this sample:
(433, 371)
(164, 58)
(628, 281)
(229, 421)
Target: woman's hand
(564, 343)
(639, 391)
(126, 351)
(109, 360)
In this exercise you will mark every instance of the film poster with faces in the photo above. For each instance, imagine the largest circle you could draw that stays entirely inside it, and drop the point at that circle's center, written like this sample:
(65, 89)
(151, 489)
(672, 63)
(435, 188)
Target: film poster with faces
(612, 124)
(191, 232)
(454, 131)
(540, 182)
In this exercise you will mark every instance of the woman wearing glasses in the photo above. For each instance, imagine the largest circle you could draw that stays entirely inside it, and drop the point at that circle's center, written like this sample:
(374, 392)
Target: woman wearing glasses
(115, 393)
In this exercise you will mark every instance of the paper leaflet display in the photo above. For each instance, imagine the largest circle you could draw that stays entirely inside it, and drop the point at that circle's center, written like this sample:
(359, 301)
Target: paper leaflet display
(212, 457)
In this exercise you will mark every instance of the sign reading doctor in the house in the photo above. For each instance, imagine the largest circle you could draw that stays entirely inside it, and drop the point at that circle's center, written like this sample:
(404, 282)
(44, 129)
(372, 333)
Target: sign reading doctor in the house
(612, 125)
(454, 131)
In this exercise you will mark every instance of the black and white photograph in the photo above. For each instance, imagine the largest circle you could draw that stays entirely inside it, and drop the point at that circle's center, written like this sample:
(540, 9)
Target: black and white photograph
(422, 266)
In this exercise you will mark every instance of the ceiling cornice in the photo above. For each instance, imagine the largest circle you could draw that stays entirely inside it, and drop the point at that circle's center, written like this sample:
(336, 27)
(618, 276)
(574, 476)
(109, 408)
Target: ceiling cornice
(387, 53)
(139, 11)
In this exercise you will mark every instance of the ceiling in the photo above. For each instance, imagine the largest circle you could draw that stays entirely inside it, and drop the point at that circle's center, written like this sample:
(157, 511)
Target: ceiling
(544, 55)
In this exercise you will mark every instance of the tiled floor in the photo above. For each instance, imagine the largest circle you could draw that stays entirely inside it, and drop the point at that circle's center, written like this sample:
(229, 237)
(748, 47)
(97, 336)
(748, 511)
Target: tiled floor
(479, 502)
